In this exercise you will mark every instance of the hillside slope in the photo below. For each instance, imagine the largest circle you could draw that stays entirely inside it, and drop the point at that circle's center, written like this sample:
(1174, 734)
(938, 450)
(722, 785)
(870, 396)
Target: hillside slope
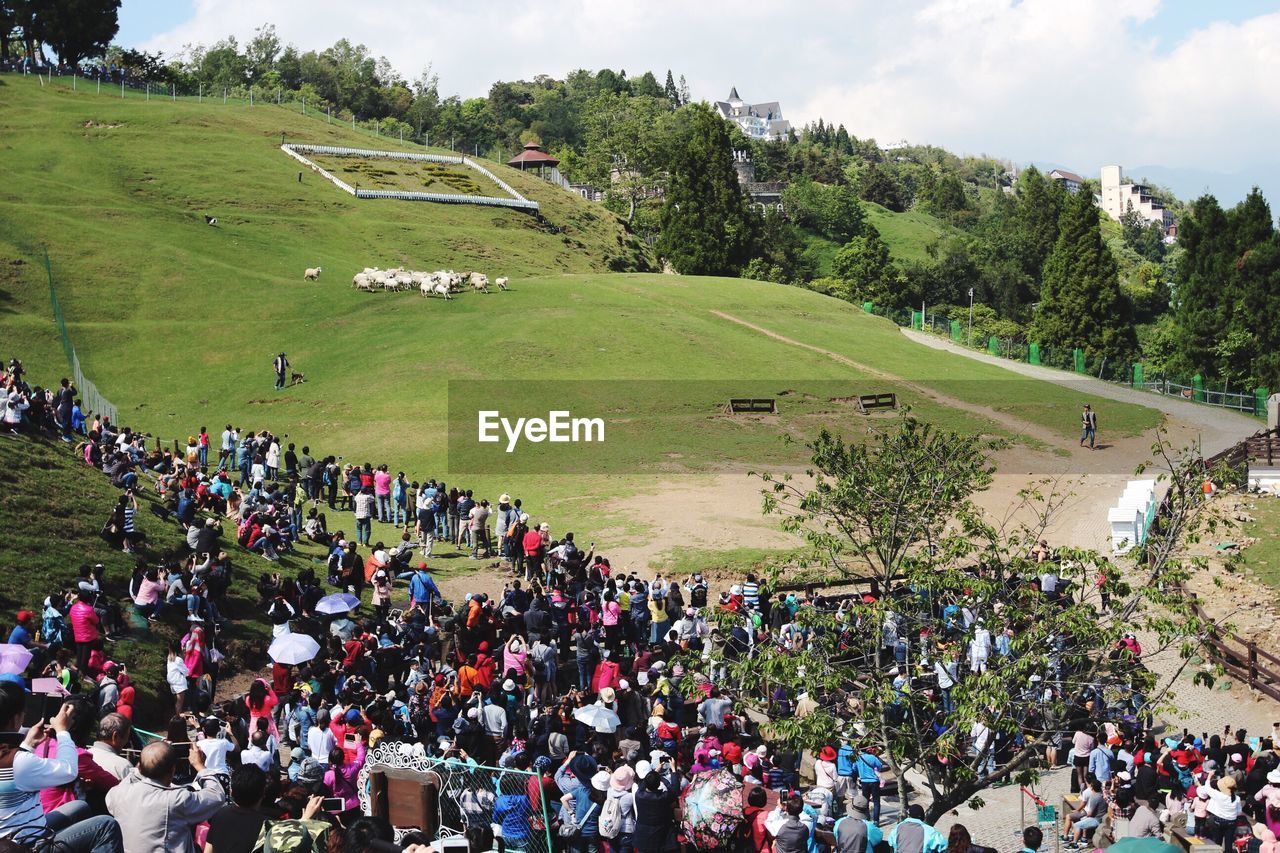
(177, 322)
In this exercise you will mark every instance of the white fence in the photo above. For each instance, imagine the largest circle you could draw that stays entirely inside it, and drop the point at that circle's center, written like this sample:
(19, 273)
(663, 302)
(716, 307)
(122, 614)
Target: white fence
(517, 201)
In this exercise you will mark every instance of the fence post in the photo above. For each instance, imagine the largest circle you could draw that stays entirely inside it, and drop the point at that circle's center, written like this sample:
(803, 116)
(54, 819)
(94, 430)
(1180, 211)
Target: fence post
(1137, 376)
(73, 81)
(224, 94)
(1197, 388)
(250, 96)
(148, 90)
(175, 91)
(99, 85)
(122, 85)
(1253, 663)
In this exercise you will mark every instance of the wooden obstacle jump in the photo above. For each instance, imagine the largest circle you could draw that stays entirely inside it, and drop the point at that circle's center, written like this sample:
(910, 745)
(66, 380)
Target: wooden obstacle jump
(752, 405)
(868, 403)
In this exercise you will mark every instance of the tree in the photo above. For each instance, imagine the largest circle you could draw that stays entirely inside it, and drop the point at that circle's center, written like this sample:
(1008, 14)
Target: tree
(670, 92)
(706, 226)
(878, 185)
(865, 263)
(624, 146)
(1081, 304)
(261, 52)
(77, 29)
(1040, 203)
(896, 513)
(683, 91)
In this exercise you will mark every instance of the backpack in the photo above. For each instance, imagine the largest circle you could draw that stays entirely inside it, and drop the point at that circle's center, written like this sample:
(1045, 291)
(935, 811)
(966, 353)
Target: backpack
(289, 836)
(611, 817)
(104, 708)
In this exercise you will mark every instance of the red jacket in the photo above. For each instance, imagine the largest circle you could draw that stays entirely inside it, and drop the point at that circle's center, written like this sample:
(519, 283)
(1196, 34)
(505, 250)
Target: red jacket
(606, 675)
(533, 544)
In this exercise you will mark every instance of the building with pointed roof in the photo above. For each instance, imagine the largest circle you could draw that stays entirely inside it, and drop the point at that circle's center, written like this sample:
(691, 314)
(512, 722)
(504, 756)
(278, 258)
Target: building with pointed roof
(758, 121)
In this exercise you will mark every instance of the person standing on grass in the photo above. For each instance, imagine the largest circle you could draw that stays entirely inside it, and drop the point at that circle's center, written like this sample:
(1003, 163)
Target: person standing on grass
(1088, 425)
(281, 365)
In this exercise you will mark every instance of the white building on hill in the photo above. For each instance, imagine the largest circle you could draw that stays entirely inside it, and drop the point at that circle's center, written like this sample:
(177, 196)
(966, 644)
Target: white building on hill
(1118, 196)
(758, 121)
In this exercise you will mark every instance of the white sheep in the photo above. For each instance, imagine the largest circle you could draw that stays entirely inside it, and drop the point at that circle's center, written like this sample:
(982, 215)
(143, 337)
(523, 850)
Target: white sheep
(403, 280)
(479, 282)
(312, 273)
(501, 282)
(434, 285)
(361, 280)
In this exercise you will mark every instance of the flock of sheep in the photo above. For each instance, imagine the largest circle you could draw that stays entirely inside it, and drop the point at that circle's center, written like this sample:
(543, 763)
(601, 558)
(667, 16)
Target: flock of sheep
(439, 283)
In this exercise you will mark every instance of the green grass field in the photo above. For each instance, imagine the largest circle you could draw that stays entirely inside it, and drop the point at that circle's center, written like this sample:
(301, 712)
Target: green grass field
(411, 176)
(908, 236)
(177, 322)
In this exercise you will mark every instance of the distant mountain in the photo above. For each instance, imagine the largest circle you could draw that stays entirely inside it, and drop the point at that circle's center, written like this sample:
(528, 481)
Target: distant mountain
(1190, 184)
(1228, 187)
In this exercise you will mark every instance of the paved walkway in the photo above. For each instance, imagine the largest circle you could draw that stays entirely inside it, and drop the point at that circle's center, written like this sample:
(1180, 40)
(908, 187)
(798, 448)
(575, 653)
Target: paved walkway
(1218, 428)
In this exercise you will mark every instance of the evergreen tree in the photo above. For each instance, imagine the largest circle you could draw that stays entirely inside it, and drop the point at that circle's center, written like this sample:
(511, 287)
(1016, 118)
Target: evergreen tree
(1040, 203)
(684, 91)
(707, 228)
(878, 185)
(868, 268)
(1080, 300)
(670, 91)
(1201, 312)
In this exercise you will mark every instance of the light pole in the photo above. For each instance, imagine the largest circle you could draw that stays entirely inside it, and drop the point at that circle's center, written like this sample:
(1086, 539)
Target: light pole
(971, 317)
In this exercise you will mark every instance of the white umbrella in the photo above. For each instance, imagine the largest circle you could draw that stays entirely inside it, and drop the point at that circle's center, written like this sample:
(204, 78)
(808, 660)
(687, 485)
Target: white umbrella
(339, 602)
(599, 717)
(293, 649)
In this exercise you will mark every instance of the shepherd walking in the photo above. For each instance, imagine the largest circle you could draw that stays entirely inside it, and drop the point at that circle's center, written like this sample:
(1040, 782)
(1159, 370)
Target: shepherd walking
(1088, 426)
(282, 366)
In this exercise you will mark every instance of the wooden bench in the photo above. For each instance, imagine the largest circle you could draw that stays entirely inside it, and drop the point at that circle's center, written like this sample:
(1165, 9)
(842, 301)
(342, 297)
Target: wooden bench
(753, 405)
(869, 402)
(1179, 837)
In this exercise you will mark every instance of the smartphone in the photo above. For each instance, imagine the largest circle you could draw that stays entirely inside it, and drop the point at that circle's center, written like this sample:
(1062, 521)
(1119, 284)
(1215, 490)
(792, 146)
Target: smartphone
(333, 804)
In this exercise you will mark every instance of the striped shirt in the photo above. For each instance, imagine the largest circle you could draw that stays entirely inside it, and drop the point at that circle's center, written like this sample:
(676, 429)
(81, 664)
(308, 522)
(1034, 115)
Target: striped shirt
(128, 519)
(751, 593)
(22, 776)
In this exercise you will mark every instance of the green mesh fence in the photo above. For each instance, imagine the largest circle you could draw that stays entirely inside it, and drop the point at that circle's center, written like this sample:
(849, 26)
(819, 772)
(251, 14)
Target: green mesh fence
(94, 403)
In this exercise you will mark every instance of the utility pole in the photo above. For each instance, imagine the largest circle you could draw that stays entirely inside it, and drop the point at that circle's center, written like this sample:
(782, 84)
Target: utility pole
(971, 316)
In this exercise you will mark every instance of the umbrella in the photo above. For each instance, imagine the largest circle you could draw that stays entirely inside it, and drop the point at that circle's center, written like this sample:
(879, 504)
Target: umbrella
(598, 717)
(712, 810)
(13, 658)
(293, 649)
(339, 602)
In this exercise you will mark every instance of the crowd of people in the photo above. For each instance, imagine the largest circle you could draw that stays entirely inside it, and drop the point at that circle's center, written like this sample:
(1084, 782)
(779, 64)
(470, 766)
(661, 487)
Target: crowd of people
(593, 698)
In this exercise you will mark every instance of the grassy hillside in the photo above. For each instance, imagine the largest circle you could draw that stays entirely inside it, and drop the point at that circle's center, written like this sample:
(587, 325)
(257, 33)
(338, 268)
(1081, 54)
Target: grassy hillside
(177, 322)
(53, 508)
(907, 234)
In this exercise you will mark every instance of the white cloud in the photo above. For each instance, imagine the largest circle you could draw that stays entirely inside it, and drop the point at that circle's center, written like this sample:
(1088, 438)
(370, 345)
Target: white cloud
(1070, 82)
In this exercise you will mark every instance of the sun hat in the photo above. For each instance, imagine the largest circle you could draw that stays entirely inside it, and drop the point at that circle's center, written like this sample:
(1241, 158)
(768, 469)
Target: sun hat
(24, 615)
(508, 685)
(544, 527)
(607, 695)
(1274, 776)
(623, 684)
(600, 781)
(623, 778)
(504, 498)
(643, 768)
(524, 518)
(827, 754)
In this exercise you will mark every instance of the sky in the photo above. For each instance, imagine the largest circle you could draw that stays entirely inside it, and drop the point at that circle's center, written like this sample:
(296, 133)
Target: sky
(1182, 89)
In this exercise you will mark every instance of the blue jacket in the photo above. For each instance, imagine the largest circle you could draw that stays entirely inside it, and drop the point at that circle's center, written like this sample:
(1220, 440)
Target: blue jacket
(423, 588)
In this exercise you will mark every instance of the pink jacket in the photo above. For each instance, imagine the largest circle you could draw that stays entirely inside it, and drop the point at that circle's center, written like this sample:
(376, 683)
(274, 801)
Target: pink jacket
(84, 623)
